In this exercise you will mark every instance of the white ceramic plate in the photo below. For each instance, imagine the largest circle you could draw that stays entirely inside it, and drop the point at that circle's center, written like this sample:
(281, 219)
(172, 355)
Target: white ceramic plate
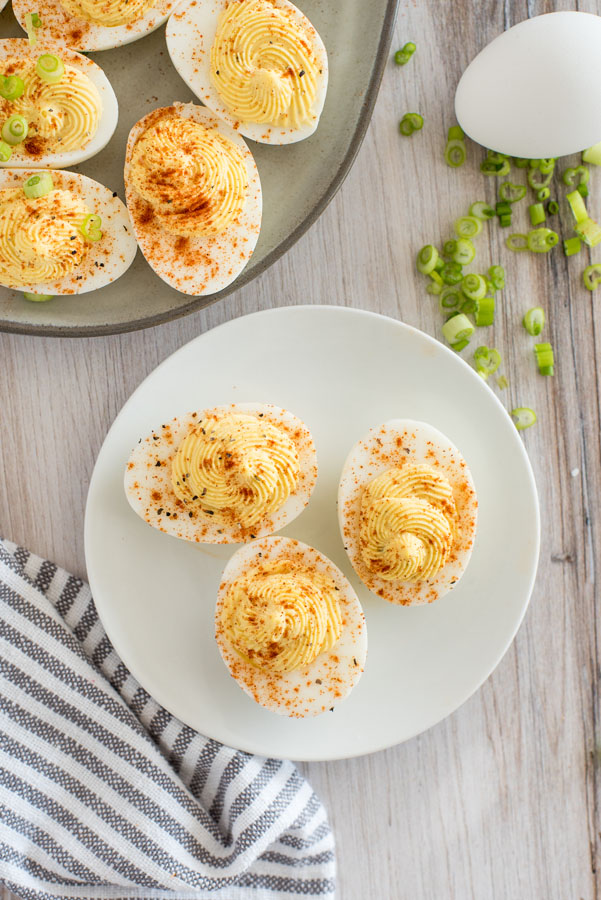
(340, 370)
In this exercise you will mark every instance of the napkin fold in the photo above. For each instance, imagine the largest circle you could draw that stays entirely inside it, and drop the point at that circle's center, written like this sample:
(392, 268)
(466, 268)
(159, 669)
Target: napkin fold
(104, 794)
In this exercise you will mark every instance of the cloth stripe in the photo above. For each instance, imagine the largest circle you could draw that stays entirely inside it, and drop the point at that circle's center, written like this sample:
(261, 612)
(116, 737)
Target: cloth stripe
(106, 796)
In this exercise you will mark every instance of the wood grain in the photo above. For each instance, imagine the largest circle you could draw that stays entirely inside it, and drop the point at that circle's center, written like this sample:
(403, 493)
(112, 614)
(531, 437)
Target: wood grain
(503, 799)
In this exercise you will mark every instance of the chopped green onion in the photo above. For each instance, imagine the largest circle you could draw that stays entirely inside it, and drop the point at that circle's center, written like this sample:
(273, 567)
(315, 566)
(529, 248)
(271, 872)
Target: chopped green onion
(543, 194)
(5, 151)
(489, 167)
(50, 68)
(578, 207)
(537, 213)
(520, 163)
(91, 228)
(511, 193)
(435, 285)
(523, 417)
(439, 264)
(474, 286)
(590, 232)
(11, 87)
(455, 133)
(458, 346)
(485, 311)
(467, 226)
(541, 240)
(482, 210)
(571, 246)
(15, 130)
(455, 150)
(546, 165)
(544, 358)
(427, 259)
(502, 382)
(487, 359)
(411, 122)
(32, 25)
(402, 57)
(582, 190)
(451, 273)
(458, 328)
(38, 298)
(464, 252)
(496, 275)
(450, 298)
(502, 208)
(468, 307)
(536, 182)
(534, 320)
(448, 248)
(579, 175)
(38, 186)
(505, 220)
(552, 207)
(517, 242)
(593, 155)
(592, 276)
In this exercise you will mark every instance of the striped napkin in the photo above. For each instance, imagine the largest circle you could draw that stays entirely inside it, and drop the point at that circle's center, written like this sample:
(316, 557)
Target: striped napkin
(103, 794)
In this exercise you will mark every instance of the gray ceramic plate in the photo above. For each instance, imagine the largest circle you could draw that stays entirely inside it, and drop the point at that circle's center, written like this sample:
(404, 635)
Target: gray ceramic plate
(298, 180)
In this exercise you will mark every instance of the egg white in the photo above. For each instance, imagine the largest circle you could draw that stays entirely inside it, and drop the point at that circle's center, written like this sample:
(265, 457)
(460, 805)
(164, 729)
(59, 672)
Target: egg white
(107, 259)
(190, 35)
(211, 262)
(399, 442)
(144, 477)
(13, 48)
(324, 683)
(72, 31)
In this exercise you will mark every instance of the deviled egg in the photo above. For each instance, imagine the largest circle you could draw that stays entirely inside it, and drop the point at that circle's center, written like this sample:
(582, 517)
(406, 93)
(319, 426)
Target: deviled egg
(223, 475)
(93, 24)
(259, 64)
(194, 195)
(289, 627)
(57, 107)
(61, 232)
(407, 510)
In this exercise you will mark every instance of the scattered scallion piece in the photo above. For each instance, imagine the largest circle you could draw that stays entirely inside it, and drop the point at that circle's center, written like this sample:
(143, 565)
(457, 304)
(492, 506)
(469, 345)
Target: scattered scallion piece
(50, 68)
(91, 227)
(482, 210)
(552, 207)
(502, 208)
(571, 246)
(402, 57)
(33, 23)
(474, 286)
(543, 194)
(11, 87)
(523, 417)
(464, 252)
(502, 382)
(434, 286)
(579, 175)
(592, 276)
(448, 248)
(484, 312)
(517, 242)
(582, 190)
(511, 193)
(451, 273)
(505, 220)
(455, 151)
(458, 328)
(5, 151)
(593, 155)
(520, 163)
(590, 232)
(450, 298)
(546, 165)
(538, 180)
(495, 168)
(460, 345)
(15, 130)
(487, 360)
(467, 226)
(468, 307)
(38, 186)
(496, 275)
(38, 298)
(534, 320)
(427, 259)
(537, 213)
(578, 206)
(544, 358)
(541, 240)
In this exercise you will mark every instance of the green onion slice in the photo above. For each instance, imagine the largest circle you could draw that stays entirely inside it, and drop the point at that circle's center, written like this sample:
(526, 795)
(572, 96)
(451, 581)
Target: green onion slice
(511, 193)
(411, 122)
(455, 153)
(487, 360)
(534, 320)
(32, 25)
(543, 194)
(496, 275)
(451, 273)
(541, 240)
(582, 190)
(488, 167)
(593, 155)
(402, 57)
(458, 346)
(38, 186)
(467, 226)
(5, 151)
(546, 165)
(435, 285)
(589, 231)
(520, 163)
(537, 213)
(537, 182)
(505, 220)
(523, 417)
(11, 87)
(578, 206)
(544, 358)
(38, 298)
(464, 252)
(50, 68)
(592, 276)
(485, 311)
(517, 242)
(552, 207)
(579, 175)
(482, 210)
(468, 307)
(450, 298)
(91, 227)
(448, 248)
(427, 259)
(458, 328)
(571, 246)
(474, 286)
(15, 130)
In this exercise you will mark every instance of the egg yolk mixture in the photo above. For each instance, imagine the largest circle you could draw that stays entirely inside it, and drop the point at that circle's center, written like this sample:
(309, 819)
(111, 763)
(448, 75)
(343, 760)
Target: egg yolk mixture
(239, 468)
(281, 615)
(109, 13)
(60, 117)
(194, 179)
(40, 240)
(262, 65)
(408, 523)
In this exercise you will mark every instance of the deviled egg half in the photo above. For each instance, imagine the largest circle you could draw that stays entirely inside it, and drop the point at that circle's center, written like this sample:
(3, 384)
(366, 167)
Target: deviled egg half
(289, 627)
(407, 510)
(61, 233)
(194, 195)
(57, 107)
(223, 475)
(259, 64)
(92, 24)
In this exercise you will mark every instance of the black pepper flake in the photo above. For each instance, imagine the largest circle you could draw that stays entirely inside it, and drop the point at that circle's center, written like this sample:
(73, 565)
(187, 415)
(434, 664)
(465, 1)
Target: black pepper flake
(78, 277)
(195, 497)
(355, 661)
(155, 437)
(209, 512)
(406, 449)
(331, 709)
(73, 252)
(159, 510)
(261, 415)
(72, 238)
(335, 588)
(301, 73)
(114, 193)
(253, 536)
(157, 463)
(190, 515)
(168, 514)
(204, 490)
(101, 265)
(318, 681)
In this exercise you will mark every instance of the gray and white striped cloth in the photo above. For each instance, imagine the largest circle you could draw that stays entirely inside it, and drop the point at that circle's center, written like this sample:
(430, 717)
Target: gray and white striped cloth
(103, 794)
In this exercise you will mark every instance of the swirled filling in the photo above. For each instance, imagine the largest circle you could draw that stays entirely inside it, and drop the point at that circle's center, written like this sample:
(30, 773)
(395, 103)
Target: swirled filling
(109, 13)
(408, 523)
(281, 616)
(40, 240)
(194, 179)
(61, 117)
(262, 65)
(240, 468)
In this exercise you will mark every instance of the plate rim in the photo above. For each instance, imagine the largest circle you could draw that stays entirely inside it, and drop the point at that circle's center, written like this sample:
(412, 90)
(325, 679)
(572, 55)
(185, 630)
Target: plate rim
(429, 339)
(195, 304)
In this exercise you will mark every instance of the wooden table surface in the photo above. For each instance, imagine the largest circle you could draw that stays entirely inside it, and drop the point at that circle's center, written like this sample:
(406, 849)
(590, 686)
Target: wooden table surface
(503, 799)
